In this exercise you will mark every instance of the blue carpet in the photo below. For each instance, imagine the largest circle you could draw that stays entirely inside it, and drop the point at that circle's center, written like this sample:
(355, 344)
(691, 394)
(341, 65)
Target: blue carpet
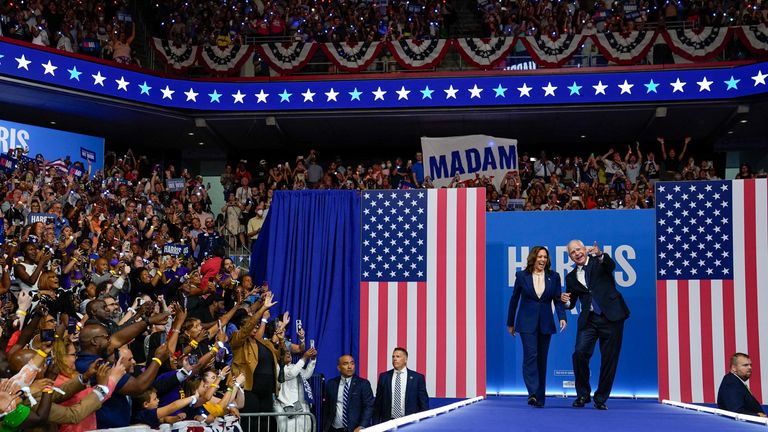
(625, 415)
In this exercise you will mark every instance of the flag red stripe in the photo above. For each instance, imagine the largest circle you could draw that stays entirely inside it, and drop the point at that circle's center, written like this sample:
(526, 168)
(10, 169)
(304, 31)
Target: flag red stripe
(750, 273)
(421, 328)
(480, 272)
(383, 349)
(661, 335)
(402, 314)
(461, 293)
(707, 367)
(364, 317)
(440, 281)
(729, 324)
(684, 337)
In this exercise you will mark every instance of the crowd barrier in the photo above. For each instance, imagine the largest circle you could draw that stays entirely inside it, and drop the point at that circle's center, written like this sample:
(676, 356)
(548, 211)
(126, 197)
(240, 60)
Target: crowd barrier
(303, 421)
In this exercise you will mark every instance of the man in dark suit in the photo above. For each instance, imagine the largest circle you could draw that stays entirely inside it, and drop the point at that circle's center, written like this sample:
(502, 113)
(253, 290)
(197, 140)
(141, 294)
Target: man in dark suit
(400, 391)
(734, 395)
(602, 316)
(348, 403)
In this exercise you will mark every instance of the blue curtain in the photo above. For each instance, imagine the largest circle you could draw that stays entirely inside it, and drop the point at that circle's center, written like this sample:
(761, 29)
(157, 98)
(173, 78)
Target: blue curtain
(309, 252)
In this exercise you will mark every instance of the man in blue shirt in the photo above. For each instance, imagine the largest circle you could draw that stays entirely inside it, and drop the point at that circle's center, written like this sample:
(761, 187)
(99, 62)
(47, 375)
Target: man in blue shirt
(96, 343)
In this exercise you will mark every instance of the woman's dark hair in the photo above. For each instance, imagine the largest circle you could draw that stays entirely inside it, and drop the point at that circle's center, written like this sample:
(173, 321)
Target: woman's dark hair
(531, 261)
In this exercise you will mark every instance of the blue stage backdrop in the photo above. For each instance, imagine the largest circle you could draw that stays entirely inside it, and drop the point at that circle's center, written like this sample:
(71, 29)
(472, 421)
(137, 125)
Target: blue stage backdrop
(309, 252)
(627, 236)
(52, 144)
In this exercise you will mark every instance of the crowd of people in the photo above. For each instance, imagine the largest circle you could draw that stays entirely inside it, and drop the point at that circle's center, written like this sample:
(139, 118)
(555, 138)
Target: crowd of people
(97, 28)
(547, 17)
(224, 22)
(120, 306)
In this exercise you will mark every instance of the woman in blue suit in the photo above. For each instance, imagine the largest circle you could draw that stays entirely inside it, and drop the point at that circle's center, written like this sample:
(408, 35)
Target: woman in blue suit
(536, 288)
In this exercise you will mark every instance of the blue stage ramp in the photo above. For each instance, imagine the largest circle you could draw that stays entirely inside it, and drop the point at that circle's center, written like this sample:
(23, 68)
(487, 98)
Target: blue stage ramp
(625, 415)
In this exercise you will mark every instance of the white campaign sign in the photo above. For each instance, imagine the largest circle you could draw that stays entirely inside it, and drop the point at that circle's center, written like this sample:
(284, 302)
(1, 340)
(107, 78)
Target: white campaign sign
(468, 156)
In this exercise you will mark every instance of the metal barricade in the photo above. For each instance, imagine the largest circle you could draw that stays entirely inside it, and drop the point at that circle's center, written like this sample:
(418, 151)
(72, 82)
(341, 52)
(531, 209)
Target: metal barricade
(301, 421)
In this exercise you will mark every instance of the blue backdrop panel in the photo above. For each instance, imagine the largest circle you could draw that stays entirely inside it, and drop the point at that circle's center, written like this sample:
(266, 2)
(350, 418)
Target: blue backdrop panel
(627, 236)
(51, 143)
(309, 251)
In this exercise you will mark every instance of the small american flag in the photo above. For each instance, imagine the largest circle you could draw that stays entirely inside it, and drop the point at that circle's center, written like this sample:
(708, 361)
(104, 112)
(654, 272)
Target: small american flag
(423, 286)
(712, 278)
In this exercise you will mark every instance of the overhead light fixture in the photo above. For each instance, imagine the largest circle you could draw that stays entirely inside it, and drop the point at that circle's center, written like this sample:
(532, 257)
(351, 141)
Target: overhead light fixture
(730, 132)
(743, 121)
(583, 136)
(191, 133)
(201, 143)
(53, 122)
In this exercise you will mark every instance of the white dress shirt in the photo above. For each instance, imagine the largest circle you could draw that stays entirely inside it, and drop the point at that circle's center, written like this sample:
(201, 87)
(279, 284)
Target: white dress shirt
(292, 390)
(338, 421)
(403, 383)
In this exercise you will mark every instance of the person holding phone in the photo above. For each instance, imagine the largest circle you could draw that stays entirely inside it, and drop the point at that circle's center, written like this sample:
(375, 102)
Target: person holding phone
(530, 314)
(603, 312)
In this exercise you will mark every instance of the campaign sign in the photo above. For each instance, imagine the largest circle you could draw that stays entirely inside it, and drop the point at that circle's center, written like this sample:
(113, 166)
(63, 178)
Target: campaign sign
(624, 236)
(174, 184)
(463, 158)
(76, 172)
(176, 249)
(87, 154)
(45, 218)
(7, 164)
(51, 143)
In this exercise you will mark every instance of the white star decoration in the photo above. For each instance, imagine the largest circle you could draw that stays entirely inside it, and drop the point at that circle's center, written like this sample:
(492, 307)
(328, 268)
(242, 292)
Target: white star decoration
(735, 84)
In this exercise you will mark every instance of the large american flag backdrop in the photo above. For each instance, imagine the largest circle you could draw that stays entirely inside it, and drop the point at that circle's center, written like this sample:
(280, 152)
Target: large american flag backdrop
(423, 286)
(712, 279)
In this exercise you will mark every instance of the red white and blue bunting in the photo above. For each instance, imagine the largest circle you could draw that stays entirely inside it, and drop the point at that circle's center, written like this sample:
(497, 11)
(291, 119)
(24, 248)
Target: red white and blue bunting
(484, 53)
(624, 49)
(178, 58)
(286, 58)
(549, 52)
(419, 54)
(224, 61)
(618, 48)
(352, 57)
(701, 45)
(755, 38)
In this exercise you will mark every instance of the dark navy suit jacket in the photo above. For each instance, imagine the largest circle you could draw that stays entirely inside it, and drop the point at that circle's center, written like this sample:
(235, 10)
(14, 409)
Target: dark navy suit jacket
(535, 314)
(360, 408)
(734, 396)
(602, 286)
(416, 397)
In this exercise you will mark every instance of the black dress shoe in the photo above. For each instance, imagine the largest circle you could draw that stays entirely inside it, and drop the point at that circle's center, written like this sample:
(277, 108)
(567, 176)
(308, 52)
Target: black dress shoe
(580, 402)
(600, 405)
(532, 400)
(539, 405)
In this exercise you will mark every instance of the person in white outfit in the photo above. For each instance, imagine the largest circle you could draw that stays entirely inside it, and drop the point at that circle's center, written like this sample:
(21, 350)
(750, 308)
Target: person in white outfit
(291, 396)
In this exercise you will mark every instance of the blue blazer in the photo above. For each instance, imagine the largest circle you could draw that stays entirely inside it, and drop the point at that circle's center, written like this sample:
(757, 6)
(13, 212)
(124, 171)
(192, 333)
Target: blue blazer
(360, 408)
(535, 314)
(416, 397)
(602, 286)
(733, 396)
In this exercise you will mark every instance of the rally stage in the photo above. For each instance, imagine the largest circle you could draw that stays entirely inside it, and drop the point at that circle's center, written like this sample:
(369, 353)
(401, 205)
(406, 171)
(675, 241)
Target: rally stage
(626, 415)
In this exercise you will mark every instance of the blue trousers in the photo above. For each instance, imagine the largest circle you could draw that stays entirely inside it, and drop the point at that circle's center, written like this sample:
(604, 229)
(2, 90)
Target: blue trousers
(535, 350)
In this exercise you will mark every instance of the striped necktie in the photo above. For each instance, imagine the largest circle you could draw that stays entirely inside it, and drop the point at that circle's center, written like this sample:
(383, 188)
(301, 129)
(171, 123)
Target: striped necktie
(397, 396)
(345, 411)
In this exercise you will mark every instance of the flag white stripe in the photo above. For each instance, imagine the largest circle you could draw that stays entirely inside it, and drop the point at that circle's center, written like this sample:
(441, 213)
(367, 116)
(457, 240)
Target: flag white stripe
(412, 346)
(471, 306)
(431, 258)
(450, 293)
(718, 336)
(694, 325)
(674, 340)
(393, 321)
(373, 333)
(739, 282)
(761, 206)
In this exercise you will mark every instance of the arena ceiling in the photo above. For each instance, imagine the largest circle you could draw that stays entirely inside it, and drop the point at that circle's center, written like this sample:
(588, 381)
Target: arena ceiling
(721, 125)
